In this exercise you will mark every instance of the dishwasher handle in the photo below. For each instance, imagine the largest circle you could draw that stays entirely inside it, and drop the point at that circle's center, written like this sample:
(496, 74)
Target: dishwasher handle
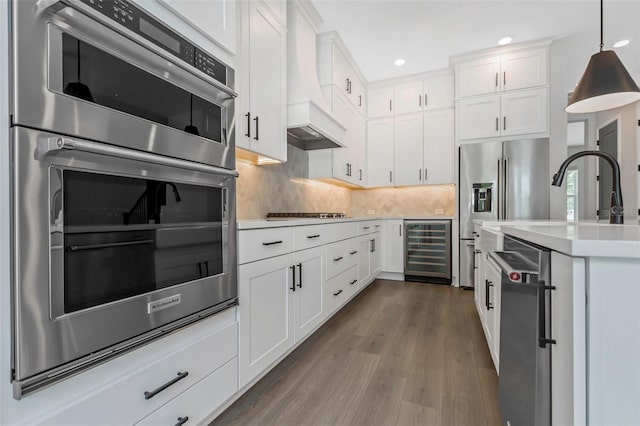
(523, 272)
(543, 340)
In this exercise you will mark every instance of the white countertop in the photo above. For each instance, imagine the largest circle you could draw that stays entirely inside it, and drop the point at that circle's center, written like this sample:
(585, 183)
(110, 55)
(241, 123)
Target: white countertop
(262, 223)
(581, 239)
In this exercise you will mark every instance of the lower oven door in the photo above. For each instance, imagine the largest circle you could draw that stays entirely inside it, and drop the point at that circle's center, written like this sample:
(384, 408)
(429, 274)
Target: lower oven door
(112, 248)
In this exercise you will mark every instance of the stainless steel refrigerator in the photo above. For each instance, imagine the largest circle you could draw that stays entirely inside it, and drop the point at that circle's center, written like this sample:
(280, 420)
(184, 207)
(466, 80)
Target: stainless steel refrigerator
(500, 181)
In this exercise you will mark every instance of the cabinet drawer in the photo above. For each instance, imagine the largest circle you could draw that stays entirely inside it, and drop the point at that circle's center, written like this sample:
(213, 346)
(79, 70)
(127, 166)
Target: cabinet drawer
(199, 401)
(305, 237)
(341, 231)
(256, 244)
(341, 256)
(369, 227)
(199, 359)
(340, 288)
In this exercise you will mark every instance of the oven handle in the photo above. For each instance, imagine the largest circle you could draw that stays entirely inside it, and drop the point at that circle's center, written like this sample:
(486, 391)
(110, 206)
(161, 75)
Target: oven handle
(54, 144)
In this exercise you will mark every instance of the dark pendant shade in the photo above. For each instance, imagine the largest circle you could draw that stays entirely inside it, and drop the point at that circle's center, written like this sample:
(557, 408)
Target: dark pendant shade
(605, 84)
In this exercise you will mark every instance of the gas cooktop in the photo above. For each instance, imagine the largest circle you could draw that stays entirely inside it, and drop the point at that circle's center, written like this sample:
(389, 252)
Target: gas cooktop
(295, 215)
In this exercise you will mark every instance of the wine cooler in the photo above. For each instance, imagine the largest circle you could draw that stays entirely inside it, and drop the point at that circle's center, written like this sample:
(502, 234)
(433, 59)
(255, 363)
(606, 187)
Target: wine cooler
(427, 246)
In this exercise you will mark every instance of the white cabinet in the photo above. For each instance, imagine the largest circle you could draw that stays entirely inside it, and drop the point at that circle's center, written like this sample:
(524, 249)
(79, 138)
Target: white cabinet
(309, 292)
(510, 71)
(408, 145)
(493, 277)
(408, 97)
(439, 147)
(214, 19)
(376, 256)
(265, 289)
(380, 161)
(392, 246)
(511, 113)
(262, 109)
(380, 101)
(438, 92)
(279, 9)
(364, 259)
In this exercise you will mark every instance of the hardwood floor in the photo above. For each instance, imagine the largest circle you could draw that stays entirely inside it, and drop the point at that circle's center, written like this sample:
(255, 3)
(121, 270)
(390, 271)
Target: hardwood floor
(400, 353)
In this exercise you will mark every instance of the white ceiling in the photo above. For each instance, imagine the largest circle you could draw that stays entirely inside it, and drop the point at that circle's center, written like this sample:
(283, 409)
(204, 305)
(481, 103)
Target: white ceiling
(426, 33)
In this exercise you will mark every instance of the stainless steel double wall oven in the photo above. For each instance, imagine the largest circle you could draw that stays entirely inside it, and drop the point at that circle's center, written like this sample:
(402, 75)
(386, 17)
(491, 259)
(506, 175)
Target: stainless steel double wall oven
(123, 184)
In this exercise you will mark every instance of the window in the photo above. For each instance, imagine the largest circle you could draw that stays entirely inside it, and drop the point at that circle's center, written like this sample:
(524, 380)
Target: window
(572, 194)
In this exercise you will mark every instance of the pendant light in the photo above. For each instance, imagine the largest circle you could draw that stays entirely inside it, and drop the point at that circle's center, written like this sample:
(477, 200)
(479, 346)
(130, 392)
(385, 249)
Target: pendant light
(605, 84)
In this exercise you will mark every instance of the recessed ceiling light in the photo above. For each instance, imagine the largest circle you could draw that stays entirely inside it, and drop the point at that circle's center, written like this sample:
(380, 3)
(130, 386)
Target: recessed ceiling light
(504, 40)
(621, 43)
(399, 62)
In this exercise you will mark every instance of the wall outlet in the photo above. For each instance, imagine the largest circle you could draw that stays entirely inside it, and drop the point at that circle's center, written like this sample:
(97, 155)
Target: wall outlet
(439, 211)
(371, 212)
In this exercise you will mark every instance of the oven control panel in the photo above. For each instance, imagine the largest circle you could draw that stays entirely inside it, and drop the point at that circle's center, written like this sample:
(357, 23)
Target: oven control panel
(134, 19)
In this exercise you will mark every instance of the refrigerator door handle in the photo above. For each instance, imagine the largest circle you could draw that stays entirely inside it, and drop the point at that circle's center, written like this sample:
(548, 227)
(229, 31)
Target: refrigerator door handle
(506, 188)
(499, 192)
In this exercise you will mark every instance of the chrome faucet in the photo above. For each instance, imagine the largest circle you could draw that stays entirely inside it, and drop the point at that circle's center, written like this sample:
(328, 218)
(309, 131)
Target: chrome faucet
(616, 212)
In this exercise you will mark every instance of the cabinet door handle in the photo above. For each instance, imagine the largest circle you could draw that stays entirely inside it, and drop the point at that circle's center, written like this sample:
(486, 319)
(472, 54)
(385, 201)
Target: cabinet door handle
(359, 100)
(293, 283)
(360, 171)
(182, 420)
(337, 292)
(353, 282)
(256, 119)
(542, 313)
(389, 104)
(497, 119)
(420, 174)
(486, 294)
(350, 86)
(496, 79)
(504, 122)
(353, 252)
(504, 78)
(390, 176)
(338, 259)
(426, 100)
(425, 174)
(419, 100)
(400, 229)
(346, 87)
(366, 227)
(489, 304)
(248, 134)
(300, 275)
(149, 395)
(373, 246)
(312, 236)
(271, 243)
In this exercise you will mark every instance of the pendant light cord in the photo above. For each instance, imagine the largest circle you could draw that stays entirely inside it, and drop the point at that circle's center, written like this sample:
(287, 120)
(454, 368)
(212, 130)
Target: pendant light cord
(601, 25)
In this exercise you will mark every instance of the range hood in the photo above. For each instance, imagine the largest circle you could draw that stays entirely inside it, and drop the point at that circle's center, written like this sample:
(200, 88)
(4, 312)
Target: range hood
(310, 123)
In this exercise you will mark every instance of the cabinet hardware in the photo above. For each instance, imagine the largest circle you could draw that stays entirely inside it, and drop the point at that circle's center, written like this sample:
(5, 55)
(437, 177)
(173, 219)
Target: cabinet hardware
(425, 174)
(390, 176)
(257, 128)
(200, 269)
(337, 292)
(419, 100)
(400, 229)
(504, 122)
(182, 420)
(489, 304)
(389, 104)
(477, 251)
(497, 119)
(373, 246)
(360, 171)
(360, 100)
(475, 234)
(353, 282)
(350, 86)
(248, 134)
(504, 78)
(271, 243)
(346, 88)
(313, 236)
(293, 283)
(299, 275)
(353, 252)
(338, 259)
(496, 79)
(366, 227)
(542, 313)
(426, 100)
(181, 375)
(419, 174)
(377, 226)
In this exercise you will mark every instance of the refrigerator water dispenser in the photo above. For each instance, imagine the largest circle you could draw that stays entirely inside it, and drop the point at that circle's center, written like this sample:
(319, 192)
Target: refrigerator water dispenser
(482, 197)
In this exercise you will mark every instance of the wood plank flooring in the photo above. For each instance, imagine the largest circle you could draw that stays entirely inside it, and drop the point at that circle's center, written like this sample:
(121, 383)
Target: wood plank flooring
(400, 353)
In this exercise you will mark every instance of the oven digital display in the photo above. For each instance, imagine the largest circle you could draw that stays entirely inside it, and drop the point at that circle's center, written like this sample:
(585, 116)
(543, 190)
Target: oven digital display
(160, 36)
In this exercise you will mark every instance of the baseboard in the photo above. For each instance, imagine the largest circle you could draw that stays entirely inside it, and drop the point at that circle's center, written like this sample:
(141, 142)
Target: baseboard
(393, 276)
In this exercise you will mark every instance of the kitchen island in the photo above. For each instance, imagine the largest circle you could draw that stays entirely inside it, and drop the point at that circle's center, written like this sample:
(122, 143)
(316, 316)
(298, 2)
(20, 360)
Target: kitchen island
(595, 320)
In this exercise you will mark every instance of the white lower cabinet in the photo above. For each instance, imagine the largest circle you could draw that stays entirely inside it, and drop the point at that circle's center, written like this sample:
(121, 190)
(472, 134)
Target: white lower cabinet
(308, 304)
(392, 246)
(266, 313)
(369, 258)
(493, 277)
(340, 288)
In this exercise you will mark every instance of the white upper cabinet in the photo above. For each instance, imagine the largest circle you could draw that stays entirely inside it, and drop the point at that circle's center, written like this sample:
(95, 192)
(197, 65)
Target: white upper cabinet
(262, 106)
(438, 92)
(519, 69)
(408, 97)
(524, 111)
(408, 134)
(380, 152)
(439, 147)
(523, 69)
(479, 117)
(380, 102)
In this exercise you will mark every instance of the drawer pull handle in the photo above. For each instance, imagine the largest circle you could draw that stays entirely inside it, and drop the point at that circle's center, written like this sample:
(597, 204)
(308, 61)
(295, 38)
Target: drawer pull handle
(337, 259)
(353, 282)
(353, 252)
(337, 292)
(149, 395)
(182, 420)
(377, 226)
(366, 227)
(272, 243)
(313, 236)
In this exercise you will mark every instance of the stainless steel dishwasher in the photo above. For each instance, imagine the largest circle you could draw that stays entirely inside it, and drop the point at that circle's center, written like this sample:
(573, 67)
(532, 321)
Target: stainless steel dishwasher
(525, 326)
(427, 246)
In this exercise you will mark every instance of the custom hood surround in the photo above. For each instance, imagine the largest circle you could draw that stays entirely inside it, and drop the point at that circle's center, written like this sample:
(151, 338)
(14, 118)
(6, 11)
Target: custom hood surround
(310, 123)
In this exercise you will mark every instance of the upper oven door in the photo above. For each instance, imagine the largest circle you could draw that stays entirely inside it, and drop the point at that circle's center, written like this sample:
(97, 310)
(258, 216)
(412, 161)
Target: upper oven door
(76, 75)
(112, 243)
